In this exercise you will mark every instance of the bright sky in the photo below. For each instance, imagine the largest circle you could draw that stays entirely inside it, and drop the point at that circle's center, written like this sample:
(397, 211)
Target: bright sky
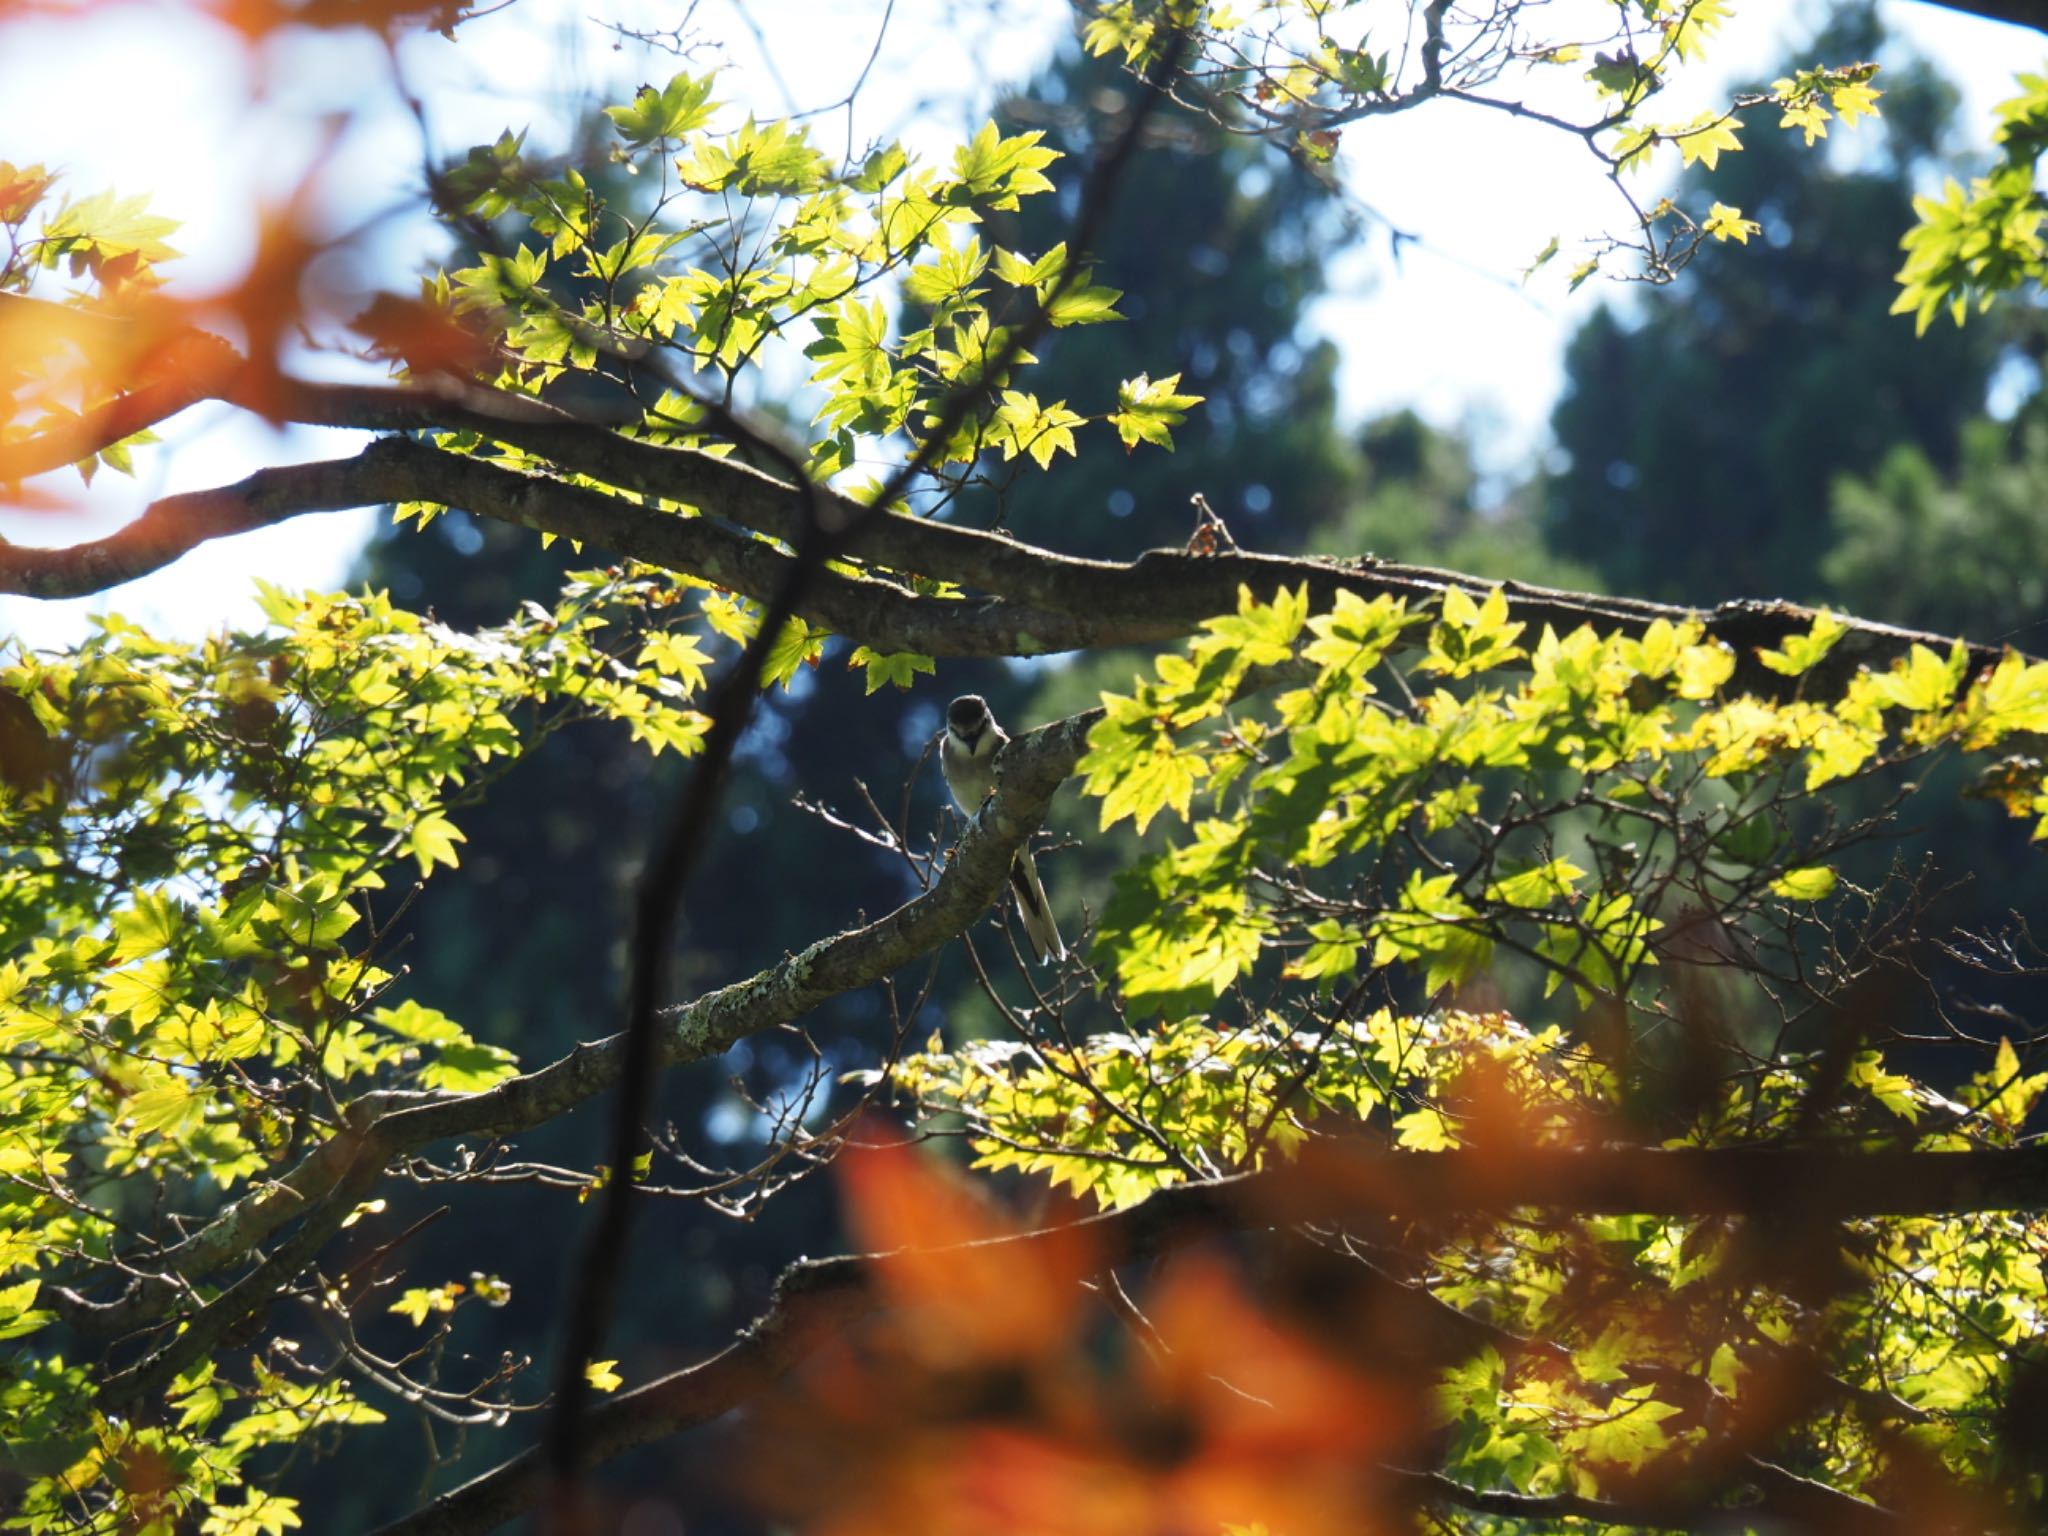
(151, 98)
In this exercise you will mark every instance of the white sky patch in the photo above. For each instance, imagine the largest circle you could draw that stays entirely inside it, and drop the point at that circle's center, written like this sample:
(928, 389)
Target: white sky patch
(154, 99)
(1455, 333)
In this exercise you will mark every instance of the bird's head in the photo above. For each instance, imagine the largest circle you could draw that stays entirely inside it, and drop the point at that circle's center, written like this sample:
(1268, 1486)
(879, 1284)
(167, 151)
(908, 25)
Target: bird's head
(967, 716)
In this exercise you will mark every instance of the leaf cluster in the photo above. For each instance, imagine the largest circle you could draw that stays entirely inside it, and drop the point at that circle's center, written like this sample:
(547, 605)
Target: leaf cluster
(201, 843)
(1439, 800)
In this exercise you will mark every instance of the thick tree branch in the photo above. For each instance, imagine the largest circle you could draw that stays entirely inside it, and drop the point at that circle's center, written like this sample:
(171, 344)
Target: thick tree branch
(1038, 601)
(873, 611)
(2018, 13)
(175, 525)
(1160, 596)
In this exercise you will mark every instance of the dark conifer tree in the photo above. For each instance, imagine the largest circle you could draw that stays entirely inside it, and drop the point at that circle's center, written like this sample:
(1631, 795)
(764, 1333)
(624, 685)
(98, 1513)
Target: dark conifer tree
(1705, 426)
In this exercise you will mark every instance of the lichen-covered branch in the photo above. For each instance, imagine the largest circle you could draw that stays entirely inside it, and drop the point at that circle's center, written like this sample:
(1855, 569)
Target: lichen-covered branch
(1028, 601)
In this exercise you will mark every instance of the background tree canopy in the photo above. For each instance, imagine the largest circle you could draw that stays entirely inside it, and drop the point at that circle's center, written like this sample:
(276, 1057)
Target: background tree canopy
(1534, 1055)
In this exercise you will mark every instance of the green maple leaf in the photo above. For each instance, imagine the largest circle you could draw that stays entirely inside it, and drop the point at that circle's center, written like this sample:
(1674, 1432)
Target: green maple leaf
(1705, 137)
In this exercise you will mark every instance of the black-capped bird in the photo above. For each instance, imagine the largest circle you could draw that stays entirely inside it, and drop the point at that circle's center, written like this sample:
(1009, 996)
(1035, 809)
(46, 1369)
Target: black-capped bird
(968, 759)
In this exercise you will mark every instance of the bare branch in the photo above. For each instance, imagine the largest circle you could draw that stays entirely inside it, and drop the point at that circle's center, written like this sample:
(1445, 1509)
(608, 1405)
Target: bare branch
(813, 1302)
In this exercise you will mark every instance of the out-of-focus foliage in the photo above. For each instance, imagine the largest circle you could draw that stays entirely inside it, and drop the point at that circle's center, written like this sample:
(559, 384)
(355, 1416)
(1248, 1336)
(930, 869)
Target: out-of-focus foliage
(1935, 551)
(1421, 499)
(58, 359)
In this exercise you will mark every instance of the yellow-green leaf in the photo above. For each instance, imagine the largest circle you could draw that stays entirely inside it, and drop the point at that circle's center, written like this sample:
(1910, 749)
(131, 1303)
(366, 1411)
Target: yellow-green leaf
(1812, 883)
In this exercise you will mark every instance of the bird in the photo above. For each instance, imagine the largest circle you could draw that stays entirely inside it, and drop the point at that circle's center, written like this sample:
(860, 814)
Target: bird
(968, 760)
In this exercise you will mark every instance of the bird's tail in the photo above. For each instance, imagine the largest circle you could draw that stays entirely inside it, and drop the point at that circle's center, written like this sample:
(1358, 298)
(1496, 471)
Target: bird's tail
(1036, 912)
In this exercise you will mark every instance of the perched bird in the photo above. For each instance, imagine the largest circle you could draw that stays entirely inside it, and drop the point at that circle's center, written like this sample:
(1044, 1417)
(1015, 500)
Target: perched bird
(968, 760)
